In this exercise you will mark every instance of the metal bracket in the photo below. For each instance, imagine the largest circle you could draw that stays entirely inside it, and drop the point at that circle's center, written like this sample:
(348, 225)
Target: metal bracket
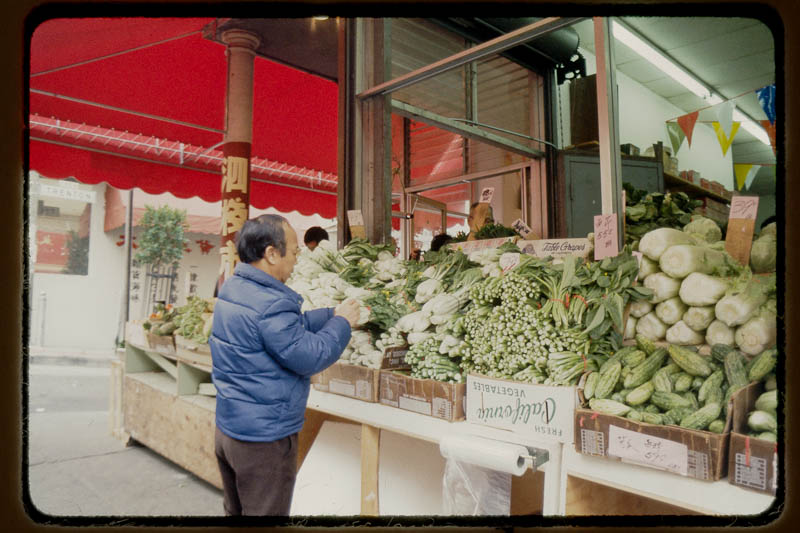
(537, 457)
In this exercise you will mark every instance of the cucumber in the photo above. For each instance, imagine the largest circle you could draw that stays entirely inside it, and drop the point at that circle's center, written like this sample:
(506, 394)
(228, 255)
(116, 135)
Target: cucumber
(762, 364)
(691, 362)
(768, 401)
(640, 394)
(762, 421)
(701, 418)
(717, 426)
(609, 407)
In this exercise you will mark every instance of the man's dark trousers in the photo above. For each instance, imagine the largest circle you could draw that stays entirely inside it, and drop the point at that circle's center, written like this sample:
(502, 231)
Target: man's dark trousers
(257, 477)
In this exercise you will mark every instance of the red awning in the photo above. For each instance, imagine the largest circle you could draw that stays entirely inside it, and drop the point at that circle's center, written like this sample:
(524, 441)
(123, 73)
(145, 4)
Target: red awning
(86, 72)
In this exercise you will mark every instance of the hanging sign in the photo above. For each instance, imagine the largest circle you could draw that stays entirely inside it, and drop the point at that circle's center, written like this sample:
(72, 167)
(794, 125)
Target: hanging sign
(486, 195)
(606, 243)
(741, 224)
(556, 248)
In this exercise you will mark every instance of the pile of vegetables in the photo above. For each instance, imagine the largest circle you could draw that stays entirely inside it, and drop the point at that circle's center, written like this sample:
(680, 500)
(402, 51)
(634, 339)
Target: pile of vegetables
(700, 294)
(488, 231)
(763, 420)
(645, 211)
(192, 321)
(675, 385)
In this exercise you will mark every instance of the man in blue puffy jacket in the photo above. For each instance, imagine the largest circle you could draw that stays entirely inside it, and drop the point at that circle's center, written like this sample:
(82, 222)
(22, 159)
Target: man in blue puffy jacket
(264, 351)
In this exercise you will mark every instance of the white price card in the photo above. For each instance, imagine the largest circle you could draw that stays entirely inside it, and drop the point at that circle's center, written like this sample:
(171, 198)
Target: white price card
(486, 195)
(355, 217)
(647, 449)
(521, 227)
(508, 261)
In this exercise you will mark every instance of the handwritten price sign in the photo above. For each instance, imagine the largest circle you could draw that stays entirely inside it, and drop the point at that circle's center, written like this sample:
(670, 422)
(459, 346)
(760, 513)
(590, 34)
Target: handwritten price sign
(744, 207)
(653, 451)
(606, 243)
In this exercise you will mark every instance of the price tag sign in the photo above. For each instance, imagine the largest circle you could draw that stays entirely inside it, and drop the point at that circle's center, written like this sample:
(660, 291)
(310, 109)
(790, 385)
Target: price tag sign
(745, 207)
(508, 261)
(486, 195)
(605, 236)
(522, 228)
(646, 449)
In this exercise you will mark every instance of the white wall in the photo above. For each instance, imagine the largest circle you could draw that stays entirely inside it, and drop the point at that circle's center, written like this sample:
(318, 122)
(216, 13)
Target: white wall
(642, 122)
(82, 311)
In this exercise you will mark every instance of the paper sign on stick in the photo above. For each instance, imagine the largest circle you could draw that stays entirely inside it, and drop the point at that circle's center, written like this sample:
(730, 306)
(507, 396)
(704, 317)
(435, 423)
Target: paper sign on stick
(741, 224)
(605, 236)
(522, 228)
(356, 220)
(486, 195)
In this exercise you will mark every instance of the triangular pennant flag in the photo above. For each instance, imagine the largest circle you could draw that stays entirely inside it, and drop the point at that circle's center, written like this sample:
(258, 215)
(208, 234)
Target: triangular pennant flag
(751, 175)
(687, 123)
(770, 127)
(766, 97)
(724, 140)
(725, 116)
(676, 136)
(741, 170)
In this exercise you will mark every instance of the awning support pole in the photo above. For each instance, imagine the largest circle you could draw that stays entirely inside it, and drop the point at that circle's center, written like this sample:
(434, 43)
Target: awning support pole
(237, 144)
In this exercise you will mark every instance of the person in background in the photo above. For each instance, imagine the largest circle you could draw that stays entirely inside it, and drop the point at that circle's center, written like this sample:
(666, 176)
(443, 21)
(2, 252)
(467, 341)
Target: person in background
(480, 214)
(264, 350)
(439, 241)
(313, 236)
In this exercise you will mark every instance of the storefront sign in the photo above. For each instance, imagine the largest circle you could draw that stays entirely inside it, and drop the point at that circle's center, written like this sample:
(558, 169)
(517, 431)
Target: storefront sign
(537, 410)
(556, 247)
(67, 193)
(647, 449)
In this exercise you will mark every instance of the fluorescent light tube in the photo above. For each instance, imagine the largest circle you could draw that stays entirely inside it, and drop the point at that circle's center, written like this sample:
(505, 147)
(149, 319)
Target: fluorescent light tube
(672, 70)
(658, 60)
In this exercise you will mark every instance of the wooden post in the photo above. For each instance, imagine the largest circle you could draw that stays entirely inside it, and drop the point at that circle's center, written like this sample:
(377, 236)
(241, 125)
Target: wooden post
(370, 454)
(237, 144)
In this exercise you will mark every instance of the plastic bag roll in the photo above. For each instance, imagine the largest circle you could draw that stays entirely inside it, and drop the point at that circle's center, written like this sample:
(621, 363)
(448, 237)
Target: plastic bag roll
(495, 455)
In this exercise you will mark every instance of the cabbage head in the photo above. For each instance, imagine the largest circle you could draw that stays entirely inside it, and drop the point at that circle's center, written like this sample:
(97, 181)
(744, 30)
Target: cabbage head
(706, 227)
(764, 253)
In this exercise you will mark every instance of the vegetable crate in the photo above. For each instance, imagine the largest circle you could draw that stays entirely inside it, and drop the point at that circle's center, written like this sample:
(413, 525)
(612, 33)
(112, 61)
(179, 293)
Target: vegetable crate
(752, 462)
(426, 396)
(354, 381)
(541, 411)
(688, 452)
(192, 352)
(163, 344)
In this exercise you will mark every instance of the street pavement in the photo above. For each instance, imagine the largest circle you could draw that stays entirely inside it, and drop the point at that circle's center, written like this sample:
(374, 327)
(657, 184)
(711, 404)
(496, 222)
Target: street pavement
(75, 466)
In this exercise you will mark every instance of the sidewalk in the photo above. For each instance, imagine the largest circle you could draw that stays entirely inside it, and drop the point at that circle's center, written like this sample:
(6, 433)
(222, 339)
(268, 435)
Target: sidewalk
(46, 355)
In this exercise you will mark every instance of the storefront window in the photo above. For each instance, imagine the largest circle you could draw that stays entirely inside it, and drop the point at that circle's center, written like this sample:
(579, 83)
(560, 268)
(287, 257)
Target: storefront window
(61, 216)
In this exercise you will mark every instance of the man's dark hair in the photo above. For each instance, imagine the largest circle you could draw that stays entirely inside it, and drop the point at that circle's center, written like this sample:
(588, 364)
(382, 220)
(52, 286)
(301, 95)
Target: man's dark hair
(315, 234)
(257, 234)
(439, 241)
(769, 220)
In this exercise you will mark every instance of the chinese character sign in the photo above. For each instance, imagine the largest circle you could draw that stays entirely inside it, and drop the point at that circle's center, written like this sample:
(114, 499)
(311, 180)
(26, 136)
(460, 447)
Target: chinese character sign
(606, 243)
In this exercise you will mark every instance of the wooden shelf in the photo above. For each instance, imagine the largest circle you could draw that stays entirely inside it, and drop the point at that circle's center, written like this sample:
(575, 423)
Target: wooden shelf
(692, 189)
(187, 377)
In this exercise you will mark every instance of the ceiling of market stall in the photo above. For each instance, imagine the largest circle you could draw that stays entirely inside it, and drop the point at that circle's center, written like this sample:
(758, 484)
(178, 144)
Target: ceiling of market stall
(735, 56)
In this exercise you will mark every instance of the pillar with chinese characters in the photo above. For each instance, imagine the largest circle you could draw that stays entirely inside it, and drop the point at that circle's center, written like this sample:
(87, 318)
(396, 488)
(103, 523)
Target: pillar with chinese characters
(241, 47)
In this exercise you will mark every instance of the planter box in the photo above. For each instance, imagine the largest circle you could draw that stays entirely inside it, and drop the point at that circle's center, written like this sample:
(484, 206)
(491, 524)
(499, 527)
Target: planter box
(192, 352)
(354, 381)
(426, 396)
(163, 344)
(541, 411)
(752, 463)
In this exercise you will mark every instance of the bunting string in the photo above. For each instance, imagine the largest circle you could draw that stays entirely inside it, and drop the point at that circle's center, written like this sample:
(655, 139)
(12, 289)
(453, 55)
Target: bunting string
(714, 105)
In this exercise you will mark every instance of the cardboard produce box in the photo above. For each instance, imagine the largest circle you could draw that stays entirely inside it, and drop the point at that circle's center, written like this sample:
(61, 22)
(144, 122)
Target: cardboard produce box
(426, 396)
(163, 344)
(541, 411)
(752, 463)
(192, 352)
(699, 454)
(354, 381)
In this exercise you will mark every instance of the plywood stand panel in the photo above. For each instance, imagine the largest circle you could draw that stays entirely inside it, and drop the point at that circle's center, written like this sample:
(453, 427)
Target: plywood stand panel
(587, 498)
(180, 430)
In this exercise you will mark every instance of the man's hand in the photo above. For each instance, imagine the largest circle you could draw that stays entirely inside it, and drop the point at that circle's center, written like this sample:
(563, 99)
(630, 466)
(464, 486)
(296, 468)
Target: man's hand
(349, 310)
